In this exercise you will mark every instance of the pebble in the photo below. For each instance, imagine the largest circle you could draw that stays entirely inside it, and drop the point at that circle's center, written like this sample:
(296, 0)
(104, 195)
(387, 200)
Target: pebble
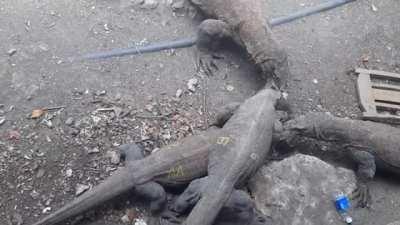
(315, 81)
(192, 84)
(81, 188)
(2, 120)
(114, 157)
(149, 4)
(68, 172)
(179, 93)
(12, 51)
(230, 88)
(125, 219)
(140, 222)
(94, 150)
(178, 4)
(69, 121)
(48, 123)
(46, 210)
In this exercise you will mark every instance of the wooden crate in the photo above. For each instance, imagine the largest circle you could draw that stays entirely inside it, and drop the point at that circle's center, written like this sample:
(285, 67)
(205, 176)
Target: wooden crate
(379, 95)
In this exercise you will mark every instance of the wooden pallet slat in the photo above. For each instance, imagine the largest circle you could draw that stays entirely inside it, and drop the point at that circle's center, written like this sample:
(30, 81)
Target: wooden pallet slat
(374, 95)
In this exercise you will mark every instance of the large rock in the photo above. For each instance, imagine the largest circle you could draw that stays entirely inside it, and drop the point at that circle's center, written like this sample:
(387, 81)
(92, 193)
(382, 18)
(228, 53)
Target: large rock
(300, 189)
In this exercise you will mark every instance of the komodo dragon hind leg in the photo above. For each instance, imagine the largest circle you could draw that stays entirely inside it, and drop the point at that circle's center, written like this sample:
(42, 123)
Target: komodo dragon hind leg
(151, 191)
(210, 34)
(365, 172)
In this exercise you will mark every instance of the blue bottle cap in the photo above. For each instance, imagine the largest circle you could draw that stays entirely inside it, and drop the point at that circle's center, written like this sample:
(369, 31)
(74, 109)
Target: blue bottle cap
(342, 203)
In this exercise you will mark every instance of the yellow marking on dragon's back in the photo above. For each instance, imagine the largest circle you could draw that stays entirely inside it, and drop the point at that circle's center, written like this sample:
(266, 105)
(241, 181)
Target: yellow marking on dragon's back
(223, 140)
(176, 172)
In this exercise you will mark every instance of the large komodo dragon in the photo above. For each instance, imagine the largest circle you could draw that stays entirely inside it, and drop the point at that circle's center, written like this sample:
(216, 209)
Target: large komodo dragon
(239, 150)
(244, 22)
(371, 145)
(187, 160)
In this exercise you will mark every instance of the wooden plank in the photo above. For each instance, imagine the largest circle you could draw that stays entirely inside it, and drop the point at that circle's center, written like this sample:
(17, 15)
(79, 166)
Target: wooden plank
(386, 86)
(386, 95)
(365, 94)
(379, 73)
(392, 119)
(387, 105)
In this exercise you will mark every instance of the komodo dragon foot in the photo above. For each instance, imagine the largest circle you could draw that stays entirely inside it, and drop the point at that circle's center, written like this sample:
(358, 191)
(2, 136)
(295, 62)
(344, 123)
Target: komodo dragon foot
(238, 210)
(210, 34)
(150, 191)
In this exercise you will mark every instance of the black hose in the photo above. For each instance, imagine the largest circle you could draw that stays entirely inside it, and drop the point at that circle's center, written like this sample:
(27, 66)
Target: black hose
(309, 11)
(188, 42)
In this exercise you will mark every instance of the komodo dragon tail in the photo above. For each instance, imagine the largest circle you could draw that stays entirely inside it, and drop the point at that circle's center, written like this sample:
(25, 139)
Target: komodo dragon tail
(121, 181)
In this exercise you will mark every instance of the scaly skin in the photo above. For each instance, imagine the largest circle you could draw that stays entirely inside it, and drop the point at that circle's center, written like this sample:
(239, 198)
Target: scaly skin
(173, 165)
(239, 150)
(371, 145)
(244, 21)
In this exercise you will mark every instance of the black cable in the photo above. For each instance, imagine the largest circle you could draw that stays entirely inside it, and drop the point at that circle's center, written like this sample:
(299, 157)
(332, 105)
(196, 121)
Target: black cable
(188, 42)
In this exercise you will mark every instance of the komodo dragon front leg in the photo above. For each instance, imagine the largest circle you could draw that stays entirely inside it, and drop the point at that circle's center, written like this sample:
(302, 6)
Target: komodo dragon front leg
(371, 145)
(244, 22)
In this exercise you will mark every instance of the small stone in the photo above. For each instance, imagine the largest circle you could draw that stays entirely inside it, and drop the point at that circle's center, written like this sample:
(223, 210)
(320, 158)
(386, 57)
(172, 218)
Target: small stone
(149, 4)
(69, 121)
(192, 84)
(2, 120)
(94, 150)
(46, 210)
(101, 93)
(178, 4)
(81, 188)
(114, 157)
(107, 27)
(230, 88)
(315, 81)
(48, 123)
(149, 107)
(125, 219)
(140, 222)
(68, 173)
(179, 93)
(12, 51)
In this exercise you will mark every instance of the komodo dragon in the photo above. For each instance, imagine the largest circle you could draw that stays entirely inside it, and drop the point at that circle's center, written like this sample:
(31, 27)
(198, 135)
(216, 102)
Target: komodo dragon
(371, 145)
(244, 22)
(176, 164)
(239, 150)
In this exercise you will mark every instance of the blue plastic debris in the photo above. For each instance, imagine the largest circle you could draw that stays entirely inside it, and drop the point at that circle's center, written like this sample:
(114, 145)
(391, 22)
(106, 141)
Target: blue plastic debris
(342, 204)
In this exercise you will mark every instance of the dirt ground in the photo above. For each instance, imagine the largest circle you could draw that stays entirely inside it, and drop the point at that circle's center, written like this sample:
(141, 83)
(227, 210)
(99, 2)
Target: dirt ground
(133, 99)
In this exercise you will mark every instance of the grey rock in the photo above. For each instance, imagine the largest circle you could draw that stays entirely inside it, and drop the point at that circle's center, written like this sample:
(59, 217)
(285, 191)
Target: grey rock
(81, 188)
(2, 120)
(149, 4)
(300, 190)
(69, 121)
(178, 4)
